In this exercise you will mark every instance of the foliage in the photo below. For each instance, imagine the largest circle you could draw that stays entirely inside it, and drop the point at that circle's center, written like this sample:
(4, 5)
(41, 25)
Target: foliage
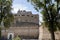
(5, 15)
(16, 38)
(50, 12)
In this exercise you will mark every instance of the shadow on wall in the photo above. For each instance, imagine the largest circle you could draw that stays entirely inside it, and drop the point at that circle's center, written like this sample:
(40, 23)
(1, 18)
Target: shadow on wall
(3, 38)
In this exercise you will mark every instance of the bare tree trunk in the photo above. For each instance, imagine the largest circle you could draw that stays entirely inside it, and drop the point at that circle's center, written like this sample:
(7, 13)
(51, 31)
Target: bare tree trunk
(52, 34)
(52, 31)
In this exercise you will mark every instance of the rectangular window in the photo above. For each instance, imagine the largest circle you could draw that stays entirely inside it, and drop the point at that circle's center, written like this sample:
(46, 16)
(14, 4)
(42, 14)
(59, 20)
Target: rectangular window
(27, 15)
(31, 16)
(23, 15)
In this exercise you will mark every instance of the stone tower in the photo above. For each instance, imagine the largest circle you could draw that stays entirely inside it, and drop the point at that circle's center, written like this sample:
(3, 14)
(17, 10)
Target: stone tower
(25, 24)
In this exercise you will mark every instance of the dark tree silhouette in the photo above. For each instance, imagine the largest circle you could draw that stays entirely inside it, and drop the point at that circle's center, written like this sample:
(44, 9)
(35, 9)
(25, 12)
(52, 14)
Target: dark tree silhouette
(6, 17)
(50, 12)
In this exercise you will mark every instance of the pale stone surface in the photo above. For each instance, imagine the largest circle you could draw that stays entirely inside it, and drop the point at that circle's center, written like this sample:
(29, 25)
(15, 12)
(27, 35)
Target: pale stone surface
(26, 16)
(40, 33)
(45, 34)
(23, 31)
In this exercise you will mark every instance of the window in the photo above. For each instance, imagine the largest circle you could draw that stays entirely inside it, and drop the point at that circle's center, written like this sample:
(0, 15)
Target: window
(31, 16)
(19, 15)
(27, 15)
(23, 15)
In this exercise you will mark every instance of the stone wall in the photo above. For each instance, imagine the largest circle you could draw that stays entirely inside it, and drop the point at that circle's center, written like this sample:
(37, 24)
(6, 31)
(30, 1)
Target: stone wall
(24, 32)
(44, 34)
(26, 16)
(25, 24)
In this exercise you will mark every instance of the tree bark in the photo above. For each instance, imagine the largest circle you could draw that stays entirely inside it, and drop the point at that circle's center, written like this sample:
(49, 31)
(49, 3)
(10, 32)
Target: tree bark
(52, 34)
(52, 24)
(52, 30)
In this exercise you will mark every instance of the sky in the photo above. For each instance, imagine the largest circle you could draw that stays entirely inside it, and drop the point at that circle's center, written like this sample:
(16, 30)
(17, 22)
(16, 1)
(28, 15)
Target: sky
(24, 5)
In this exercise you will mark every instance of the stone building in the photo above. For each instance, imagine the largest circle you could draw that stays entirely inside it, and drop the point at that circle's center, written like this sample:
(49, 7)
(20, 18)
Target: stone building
(25, 24)
(23, 16)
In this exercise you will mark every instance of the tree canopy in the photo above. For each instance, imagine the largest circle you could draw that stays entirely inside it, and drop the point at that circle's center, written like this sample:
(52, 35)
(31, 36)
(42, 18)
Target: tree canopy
(50, 12)
(6, 15)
